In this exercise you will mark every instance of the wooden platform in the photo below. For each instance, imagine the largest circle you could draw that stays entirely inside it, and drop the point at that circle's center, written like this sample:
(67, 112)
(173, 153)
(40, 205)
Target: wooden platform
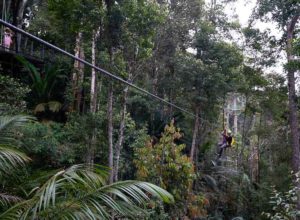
(9, 55)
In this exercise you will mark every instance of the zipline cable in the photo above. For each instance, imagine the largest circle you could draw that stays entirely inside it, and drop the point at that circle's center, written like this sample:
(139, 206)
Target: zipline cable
(103, 71)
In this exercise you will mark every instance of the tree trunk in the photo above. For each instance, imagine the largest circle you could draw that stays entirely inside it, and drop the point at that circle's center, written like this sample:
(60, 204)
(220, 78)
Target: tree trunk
(20, 22)
(241, 153)
(121, 136)
(254, 154)
(121, 132)
(76, 67)
(7, 9)
(258, 148)
(110, 133)
(170, 106)
(99, 90)
(93, 102)
(18, 12)
(154, 91)
(235, 116)
(195, 134)
(109, 32)
(79, 94)
(91, 151)
(293, 119)
(78, 74)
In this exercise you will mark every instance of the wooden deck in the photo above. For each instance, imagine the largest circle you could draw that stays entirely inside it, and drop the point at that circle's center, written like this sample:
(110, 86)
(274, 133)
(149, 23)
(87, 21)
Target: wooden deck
(10, 54)
(33, 51)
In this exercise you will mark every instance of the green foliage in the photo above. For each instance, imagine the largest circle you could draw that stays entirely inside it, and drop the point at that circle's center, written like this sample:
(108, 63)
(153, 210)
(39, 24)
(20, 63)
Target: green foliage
(73, 14)
(54, 145)
(43, 86)
(203, 83)
(292, 65)
(163, 160)
(11, 159)
(149, 41)
(277, 10)
(262, 46)
(134, 136)
(296, 46)
(284, 205)
(216, 52)
(7, 200)
(164, 164)
(80, 192)
(45, 143)
(77, 134)
(138, 29)
(12, 94)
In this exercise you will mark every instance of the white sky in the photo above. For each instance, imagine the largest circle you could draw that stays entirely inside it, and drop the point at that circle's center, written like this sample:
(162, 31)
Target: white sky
(243, 9)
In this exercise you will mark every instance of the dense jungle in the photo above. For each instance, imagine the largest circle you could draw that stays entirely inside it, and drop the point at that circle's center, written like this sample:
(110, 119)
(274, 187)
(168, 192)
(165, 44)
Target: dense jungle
(149, 109)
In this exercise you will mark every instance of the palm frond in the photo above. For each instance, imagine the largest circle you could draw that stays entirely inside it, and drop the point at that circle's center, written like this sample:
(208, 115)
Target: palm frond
(8, 122)
(43, 83)
(80, 193)
(54, 106)
(7, 200)
(41, 107)
(34, 73)
(11, 158)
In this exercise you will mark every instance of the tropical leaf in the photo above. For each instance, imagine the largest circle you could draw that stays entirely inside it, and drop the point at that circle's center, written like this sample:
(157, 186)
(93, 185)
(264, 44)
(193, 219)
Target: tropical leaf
(34, 74)
(41, 107)
(54, 106)
(80, 192)
(11, 158)
(9, 124)
(211, 182)
(52, 74)
(44, 82)
(7, 200)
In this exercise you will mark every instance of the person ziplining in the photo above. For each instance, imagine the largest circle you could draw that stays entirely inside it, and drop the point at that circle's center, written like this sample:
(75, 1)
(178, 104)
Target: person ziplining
(226, 142)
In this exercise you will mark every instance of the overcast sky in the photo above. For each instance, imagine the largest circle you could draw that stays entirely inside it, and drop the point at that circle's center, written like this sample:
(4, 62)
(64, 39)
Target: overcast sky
(243, 9)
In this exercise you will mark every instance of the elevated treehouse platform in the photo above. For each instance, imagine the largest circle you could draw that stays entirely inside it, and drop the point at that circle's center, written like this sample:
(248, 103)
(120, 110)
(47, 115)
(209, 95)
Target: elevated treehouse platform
(15, 44)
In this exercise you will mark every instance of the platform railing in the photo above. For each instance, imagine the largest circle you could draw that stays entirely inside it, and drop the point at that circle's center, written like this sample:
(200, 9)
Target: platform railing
(17, 43)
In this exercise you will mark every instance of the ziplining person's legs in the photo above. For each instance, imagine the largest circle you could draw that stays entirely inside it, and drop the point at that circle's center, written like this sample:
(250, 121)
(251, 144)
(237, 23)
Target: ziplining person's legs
(222, 147)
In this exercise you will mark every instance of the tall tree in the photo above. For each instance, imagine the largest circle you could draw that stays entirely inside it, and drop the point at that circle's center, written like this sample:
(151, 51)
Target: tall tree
(18, 13)
(78, 73)
(286, 14)
(111, 28)
(138, 30)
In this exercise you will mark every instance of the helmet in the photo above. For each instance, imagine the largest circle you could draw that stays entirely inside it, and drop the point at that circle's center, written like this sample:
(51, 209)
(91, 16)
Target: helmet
(229, 132)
